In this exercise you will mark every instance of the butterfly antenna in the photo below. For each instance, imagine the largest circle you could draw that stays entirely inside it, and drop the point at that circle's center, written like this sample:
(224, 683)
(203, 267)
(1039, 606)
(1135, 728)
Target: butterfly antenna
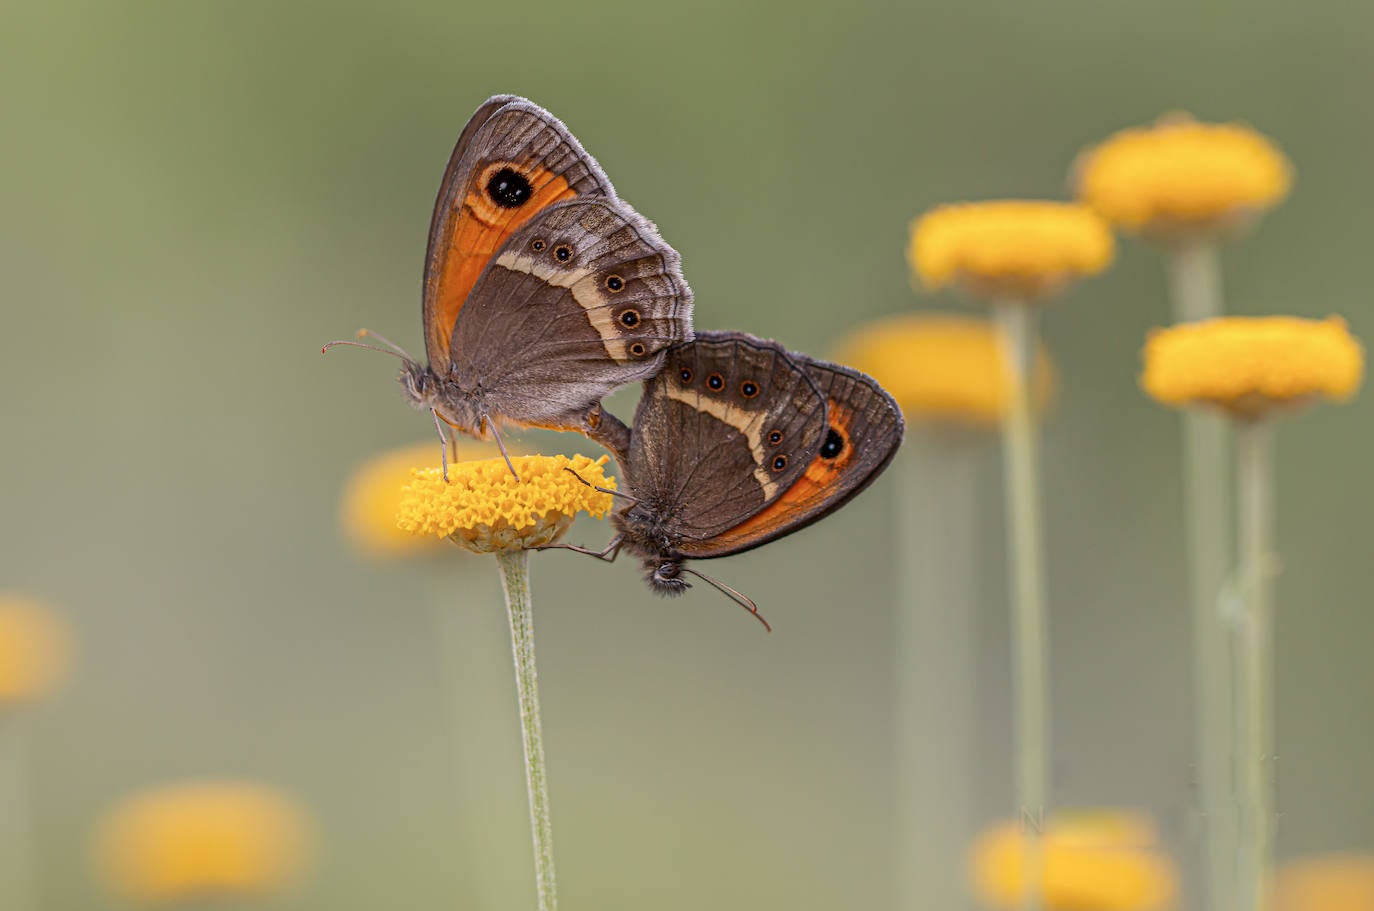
(391, 347)
(501, 446)
(739, 598)
(614, 493)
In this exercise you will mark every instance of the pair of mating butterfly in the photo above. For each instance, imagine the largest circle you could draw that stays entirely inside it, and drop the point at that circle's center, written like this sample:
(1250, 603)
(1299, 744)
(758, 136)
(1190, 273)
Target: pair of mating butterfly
(544, 292)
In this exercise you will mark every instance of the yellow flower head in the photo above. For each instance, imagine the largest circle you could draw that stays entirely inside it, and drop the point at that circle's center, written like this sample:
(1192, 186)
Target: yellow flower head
(484, 509)
(372, 495)
(33, 649)
(1009, 249)
(942, 367)
(1181, 176)
(1332, 882)
(203, 840)
(1251, 365)
(1099, 861)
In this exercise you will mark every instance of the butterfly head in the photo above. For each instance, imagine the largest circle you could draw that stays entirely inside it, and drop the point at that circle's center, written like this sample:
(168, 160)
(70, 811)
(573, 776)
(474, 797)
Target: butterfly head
(665, 576)
(456, 407)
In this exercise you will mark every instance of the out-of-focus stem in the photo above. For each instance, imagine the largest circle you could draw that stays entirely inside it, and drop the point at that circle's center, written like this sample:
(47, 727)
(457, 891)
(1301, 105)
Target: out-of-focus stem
(1016, 321)
(17, 881)
(935, 666)
(1254, 704)
(1195, 285)
(515, 577)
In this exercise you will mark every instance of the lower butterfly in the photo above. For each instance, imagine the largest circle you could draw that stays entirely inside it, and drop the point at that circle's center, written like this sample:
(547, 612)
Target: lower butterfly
(739, 442)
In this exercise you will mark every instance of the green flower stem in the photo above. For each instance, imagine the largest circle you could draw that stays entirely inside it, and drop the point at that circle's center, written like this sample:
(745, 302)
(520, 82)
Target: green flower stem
(17, 886)
(515, 577)
(1026, 561)
(1195, 284)
(935, 667)
(1253, 667)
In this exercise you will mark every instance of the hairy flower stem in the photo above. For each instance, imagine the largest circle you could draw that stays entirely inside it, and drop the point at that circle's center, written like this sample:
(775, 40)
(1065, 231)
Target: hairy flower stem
(1026, 562)
(515, 577)
(934, 663)
(17, 884)
(1195, 285)
(1253, 667)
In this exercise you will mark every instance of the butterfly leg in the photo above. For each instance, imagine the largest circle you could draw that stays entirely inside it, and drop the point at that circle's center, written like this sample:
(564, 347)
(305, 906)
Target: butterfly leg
(444, 443)
(609, 554)
(607, 490)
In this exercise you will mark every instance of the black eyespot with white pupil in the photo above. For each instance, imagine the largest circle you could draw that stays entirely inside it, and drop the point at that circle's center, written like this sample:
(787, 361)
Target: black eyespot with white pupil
(685, 374)
(562, 253)
(538, 246)
(629, 319)
(749, 389)
(833, 445)
(509, 189)
(779, 462)
(715, 382)
(615, 283)
(775, 437)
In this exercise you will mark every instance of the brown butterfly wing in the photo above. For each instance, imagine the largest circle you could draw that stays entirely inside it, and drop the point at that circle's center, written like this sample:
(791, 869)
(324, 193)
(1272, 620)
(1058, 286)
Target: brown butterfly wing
(513, 160)
(864, 429)
(704, 459)
(585, 297)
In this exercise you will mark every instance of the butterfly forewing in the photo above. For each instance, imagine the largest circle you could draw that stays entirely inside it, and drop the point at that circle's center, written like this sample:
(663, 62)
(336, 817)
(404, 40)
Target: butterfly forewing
(725, 429)
(513, 160)
(864, 428)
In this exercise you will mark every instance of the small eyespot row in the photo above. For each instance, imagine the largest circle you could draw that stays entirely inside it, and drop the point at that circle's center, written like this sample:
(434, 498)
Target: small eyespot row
(749, 389)
(715, 382)
(629, 318)
(538, 245)
(775, 437)
(779, 462)
(638, 349)
(562, 253)
(685, 374)
(615, 283)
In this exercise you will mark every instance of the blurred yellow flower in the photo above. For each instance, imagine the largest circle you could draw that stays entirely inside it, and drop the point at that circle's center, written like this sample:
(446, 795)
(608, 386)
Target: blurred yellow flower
(484, 509)
(372, 495)
(1250, 365)
(34, 648)
(1332, 882)
(1100, 861)
(203, 840)
(1016, 249)
(942, 367)
(1181, 176)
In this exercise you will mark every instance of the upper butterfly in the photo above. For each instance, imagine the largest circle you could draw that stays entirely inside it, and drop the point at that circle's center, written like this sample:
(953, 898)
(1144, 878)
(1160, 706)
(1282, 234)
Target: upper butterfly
(739, 442)
(543, 291)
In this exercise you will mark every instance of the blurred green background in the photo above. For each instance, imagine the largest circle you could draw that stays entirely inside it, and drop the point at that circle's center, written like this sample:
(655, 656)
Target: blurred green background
(195, 196)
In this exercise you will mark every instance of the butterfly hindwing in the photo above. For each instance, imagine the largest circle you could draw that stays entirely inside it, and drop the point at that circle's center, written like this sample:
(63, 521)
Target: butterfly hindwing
(513, 160)
(583, 298)
(728, 425)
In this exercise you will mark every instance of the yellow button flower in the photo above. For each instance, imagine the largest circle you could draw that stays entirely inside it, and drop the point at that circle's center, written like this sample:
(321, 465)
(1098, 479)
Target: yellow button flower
(1009, 249)
(1332, 882)
(1250, 365)
(484, 509)
(372, 495)
(1183, 176)
(34, 648)
(1099, 861)
(942, 367)
(203, 840)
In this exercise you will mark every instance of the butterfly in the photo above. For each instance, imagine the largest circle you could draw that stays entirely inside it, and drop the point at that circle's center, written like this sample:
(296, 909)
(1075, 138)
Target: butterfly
(543, 291)
(739, 442)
